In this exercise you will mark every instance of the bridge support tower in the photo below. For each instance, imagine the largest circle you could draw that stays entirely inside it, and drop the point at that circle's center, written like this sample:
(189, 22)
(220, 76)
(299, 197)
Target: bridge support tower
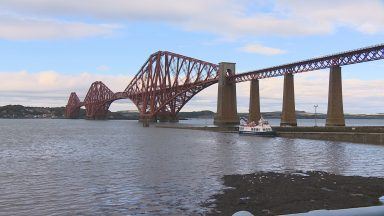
(288, 115)
(147, 118)
(335, 114)
(72, 112)
(254, 102)
(96, 116)
(226, 96)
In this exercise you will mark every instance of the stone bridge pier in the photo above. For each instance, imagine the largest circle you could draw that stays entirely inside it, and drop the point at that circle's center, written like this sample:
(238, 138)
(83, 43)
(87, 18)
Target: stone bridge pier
(254, 102)
(288, 114)
(226, 96)
(335, 114)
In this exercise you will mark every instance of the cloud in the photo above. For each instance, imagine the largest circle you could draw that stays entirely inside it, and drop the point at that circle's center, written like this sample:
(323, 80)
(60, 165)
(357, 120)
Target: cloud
(367, 17)
(260, 49)
(50, 88)
(26, 28)
(228, 18)
(55, 81)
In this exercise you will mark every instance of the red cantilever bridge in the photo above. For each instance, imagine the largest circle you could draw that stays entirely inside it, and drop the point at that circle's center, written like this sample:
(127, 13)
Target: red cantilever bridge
(167, 81)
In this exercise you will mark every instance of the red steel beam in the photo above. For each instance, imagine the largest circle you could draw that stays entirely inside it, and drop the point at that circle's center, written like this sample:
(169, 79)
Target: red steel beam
(366, 54)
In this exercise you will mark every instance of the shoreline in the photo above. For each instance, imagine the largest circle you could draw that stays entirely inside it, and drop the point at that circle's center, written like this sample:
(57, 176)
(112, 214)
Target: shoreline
(273, 193)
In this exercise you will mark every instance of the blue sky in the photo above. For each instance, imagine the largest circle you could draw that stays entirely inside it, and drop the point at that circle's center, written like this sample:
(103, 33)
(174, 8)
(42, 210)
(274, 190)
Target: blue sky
(52, 47)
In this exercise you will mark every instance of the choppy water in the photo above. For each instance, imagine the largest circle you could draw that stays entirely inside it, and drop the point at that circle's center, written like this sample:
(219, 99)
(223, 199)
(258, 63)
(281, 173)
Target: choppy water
(78, 167)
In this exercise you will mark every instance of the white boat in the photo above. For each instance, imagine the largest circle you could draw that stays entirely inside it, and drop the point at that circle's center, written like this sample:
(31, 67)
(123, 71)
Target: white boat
(261, 129)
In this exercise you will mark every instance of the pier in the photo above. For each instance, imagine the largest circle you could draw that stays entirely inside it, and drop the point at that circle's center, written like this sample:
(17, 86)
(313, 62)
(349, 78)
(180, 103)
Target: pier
(360, 134)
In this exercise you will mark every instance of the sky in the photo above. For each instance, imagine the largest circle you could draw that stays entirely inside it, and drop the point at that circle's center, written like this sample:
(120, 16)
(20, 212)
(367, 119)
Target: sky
(50, 48)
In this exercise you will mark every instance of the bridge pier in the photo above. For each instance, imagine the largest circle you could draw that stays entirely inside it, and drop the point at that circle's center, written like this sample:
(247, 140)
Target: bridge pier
(97, 111)
(254, 102)
(288, 115)
(335, 114)
(226, 96)
(146, 118)
(72, 112)
(96, 116)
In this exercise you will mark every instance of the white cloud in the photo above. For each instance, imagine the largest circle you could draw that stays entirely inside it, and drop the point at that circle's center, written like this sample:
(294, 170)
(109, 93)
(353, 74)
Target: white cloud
(260, 49)
(55, 81)
(50, 88)
(366, 17)
(228, 18)
(26, 28)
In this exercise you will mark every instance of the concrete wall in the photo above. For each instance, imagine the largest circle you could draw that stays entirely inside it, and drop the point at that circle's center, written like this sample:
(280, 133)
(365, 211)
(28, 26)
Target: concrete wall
(365, 135)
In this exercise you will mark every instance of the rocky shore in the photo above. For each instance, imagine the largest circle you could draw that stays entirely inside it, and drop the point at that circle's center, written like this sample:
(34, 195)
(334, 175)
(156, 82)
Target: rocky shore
(269, 193)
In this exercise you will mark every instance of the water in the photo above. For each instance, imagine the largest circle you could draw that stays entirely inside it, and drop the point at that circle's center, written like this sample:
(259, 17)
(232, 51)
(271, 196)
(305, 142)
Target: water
(300, 122)
(78, 167)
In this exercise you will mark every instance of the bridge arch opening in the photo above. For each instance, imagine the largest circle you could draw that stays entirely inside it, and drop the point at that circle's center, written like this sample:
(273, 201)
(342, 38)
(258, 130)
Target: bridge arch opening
(203, 105)
(123, 109)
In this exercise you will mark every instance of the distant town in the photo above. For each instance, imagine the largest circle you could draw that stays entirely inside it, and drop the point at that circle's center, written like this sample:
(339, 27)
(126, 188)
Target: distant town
(25, 112)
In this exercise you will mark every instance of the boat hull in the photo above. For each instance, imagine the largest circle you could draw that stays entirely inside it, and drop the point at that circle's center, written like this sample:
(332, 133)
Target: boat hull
(264, 134)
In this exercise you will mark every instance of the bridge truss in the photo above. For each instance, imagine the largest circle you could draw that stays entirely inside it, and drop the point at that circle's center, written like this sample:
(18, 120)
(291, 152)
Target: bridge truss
(367, 54)
(167, 81)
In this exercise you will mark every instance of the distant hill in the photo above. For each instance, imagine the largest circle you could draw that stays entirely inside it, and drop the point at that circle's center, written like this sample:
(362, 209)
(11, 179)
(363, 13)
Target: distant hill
(23, 112)
(19, 112)
(197, 114)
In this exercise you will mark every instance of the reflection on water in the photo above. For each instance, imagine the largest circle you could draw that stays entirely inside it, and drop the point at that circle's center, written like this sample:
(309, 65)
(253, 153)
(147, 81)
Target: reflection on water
(67, 167)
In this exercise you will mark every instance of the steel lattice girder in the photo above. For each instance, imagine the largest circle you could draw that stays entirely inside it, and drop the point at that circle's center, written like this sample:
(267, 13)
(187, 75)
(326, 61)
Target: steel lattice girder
(98, 100)
(346, 58)
(164, 77)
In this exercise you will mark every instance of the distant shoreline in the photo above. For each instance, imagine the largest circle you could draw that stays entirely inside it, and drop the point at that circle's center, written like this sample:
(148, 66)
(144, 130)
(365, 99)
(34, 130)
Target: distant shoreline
(24, 112)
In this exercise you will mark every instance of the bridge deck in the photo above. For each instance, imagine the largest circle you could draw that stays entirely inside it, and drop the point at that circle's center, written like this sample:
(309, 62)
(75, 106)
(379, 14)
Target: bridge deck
(366, 54)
